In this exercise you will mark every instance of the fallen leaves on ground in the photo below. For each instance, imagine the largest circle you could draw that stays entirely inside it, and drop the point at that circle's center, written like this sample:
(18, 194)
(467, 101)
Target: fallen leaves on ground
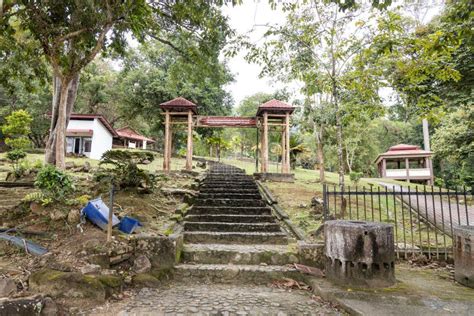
(287, 283)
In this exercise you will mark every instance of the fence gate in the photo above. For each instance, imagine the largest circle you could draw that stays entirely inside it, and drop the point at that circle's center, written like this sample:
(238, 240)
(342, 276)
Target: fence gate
(423, 217)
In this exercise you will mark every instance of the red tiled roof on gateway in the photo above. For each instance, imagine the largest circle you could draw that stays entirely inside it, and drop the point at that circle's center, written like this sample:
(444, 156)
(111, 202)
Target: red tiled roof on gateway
(275, 105)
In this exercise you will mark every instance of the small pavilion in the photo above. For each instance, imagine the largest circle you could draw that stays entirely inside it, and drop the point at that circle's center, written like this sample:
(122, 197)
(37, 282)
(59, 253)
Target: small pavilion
(272, 114)
(407, 163)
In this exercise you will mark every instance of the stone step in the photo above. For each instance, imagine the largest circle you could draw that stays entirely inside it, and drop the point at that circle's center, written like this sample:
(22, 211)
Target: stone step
(235, 181)
(229, 210)
(228, 273)
(233, 218)
(229, 190)
(229, 202)
(231, 227)
(228, 176)
(237, 196)
(229, 186)
(208, 237)
(238, 254)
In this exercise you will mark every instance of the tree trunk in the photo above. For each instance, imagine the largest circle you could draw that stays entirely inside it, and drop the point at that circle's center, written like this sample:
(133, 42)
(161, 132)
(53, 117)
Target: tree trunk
(64, 96)
(320, 151)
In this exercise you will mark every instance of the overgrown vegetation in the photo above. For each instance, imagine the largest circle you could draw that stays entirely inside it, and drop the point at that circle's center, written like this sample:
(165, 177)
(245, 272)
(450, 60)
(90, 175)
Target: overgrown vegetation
(125, 172)
(55, 185)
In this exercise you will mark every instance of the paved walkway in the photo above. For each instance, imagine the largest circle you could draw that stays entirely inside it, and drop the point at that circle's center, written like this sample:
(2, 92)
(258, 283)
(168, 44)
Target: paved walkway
(437, 211)
(218, 299)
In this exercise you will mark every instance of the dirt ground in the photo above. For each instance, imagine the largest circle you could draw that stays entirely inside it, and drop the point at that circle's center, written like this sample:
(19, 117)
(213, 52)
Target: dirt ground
(69, 242)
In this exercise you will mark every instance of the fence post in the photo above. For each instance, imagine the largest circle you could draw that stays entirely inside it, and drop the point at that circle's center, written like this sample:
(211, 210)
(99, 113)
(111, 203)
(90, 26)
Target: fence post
(325, 203)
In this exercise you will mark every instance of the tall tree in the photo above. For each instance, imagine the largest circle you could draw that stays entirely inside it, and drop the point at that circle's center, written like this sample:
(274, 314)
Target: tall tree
(317, 46)
(71, 33)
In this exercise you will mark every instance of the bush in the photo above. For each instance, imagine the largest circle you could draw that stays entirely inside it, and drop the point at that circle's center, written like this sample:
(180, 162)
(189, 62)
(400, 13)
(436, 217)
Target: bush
(54, 183)
(19, 167)
(126, 173)
(355, 176)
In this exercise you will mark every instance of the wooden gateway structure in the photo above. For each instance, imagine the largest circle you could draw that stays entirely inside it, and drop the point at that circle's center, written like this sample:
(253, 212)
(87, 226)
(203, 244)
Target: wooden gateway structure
(273, 113)
(406, 162)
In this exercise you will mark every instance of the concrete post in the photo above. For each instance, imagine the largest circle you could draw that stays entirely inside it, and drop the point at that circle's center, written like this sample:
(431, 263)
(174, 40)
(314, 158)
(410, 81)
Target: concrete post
(189, 148)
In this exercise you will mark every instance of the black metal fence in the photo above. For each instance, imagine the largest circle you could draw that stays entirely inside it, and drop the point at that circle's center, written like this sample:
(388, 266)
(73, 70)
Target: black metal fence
(423, 217)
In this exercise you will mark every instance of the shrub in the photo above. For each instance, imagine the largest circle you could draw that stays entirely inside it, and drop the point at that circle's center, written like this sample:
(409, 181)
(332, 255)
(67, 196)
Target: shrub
(355, 176)
(126, 173)
(15, 156)
(16, 128)
(54, 183)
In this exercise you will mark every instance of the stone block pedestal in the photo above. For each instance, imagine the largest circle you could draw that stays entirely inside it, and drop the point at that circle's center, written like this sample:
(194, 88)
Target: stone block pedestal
(359, 253)
(464, 255)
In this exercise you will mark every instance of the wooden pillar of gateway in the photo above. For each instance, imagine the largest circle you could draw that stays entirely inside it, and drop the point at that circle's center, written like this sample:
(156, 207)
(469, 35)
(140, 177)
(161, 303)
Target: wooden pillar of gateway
(178, 107)
(189, 147)
(167, 147)
(286, 166)
(275, 110)
(265, 143)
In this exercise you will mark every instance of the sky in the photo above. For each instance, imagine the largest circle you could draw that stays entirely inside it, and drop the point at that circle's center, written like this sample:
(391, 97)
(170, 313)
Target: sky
(243, 17)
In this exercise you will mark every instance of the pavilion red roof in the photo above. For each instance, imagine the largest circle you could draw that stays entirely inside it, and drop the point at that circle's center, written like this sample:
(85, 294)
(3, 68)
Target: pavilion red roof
(226, 121)
(404, 150)
(275, 106)
(179, 104)
(130, 133)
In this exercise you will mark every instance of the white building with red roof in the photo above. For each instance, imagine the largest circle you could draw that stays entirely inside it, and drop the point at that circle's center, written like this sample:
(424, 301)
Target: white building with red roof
(129, 138)
(89, 135)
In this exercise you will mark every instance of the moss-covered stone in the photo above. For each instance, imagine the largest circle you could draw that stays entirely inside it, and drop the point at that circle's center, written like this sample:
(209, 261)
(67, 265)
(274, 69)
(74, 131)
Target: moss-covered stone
(145, 280)
(67, 284)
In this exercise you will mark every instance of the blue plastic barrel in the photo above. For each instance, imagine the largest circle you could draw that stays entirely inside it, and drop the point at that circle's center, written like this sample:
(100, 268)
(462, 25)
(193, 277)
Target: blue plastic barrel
(128, 225)
(98, 213)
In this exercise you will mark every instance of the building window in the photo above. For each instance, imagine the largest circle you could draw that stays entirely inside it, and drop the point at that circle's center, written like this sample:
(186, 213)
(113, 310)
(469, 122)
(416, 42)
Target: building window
(87, 145)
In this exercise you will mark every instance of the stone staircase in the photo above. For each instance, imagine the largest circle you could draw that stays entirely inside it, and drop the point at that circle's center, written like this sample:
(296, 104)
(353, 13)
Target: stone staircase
(11, 197)
(230, 234)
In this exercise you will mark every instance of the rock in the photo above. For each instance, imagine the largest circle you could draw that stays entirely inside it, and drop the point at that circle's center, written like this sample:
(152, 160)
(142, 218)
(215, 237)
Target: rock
(317, 204)
(74, 217)
(23, 306)
(181, 208)
(86, 167)
(7, 287)
(36, 208)
(146, 162)
(49, 307)
(141, 264)
(70, 165)
(60, 284)
(175, 191)
(303, 205)
(145, 280)
(57, 215)
(201, 165)
(91, 269)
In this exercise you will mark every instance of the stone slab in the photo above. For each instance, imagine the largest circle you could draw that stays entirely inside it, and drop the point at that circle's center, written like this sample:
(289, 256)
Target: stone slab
(418, 291)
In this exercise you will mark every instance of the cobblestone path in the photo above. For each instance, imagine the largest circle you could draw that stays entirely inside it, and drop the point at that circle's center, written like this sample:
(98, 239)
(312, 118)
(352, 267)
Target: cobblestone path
(218, 299)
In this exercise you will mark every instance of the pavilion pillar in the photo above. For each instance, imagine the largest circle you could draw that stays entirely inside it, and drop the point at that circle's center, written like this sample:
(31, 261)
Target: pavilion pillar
(166, 150)
(384, 168)
(286, 167)
(407, 168)
(283, 150)
(189, 148)
(265, 143)
(170, 146)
